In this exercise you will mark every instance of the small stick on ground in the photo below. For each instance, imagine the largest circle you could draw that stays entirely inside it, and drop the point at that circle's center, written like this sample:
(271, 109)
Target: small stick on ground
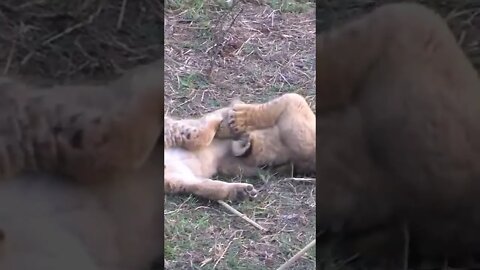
(301, 179)
(297, 256)
(204, 262)
(223, 254)
(244, 217)
(122, 14)
(10, 57)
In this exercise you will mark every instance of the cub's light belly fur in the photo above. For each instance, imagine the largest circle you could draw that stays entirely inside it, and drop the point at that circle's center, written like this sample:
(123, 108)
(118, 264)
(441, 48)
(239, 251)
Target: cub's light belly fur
(201, 163)
(104, 137)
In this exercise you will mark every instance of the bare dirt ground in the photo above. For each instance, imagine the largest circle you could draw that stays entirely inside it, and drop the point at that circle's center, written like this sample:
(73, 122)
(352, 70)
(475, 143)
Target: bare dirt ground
(254, 51)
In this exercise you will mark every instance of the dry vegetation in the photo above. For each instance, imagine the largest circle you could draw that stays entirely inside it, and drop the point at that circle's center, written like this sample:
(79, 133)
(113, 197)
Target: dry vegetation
(56, 41)
(254, 51)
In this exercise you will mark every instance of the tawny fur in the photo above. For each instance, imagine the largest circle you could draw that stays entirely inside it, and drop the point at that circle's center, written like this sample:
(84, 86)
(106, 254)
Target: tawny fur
(49, 223)
(189, 169)
(191, 134)
(88, 133)
(280, 131)
(103, 208)
(398, 109)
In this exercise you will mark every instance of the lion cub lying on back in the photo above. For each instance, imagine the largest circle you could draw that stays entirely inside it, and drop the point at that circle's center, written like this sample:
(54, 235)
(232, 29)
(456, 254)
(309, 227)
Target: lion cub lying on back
(278, 132)
(193, 155)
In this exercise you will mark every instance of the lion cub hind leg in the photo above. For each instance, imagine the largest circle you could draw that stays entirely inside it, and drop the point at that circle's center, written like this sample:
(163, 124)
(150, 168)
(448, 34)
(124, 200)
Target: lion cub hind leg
(191, 134)
(208, 188)
(247, 117)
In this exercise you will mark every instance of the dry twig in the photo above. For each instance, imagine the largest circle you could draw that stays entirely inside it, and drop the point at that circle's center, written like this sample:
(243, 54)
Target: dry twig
(10, 57)
(122, 14)
(300, 179)
(223, 254)
(297, 256)
(243, 216)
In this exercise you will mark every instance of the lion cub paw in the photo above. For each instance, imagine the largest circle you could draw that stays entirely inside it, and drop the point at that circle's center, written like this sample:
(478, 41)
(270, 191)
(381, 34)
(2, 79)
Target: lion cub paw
(201, 134)
(238, 118)
(241, 146)
(194, 138)
(241, 191)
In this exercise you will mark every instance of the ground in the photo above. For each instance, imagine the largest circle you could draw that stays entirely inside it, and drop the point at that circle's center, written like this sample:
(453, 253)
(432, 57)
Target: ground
(254, 51)
(56, 41)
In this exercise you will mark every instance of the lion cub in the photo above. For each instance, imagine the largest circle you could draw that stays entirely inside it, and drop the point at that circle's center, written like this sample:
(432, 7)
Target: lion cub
(194, 152)
(278, 132)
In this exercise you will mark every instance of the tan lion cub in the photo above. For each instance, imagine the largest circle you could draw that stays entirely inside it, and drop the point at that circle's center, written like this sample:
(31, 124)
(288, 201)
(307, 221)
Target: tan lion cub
(193, 155)
(278, 132)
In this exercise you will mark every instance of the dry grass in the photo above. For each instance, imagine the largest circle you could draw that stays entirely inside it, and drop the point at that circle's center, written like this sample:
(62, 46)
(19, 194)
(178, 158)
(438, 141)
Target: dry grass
(254, 51)
(59, 41)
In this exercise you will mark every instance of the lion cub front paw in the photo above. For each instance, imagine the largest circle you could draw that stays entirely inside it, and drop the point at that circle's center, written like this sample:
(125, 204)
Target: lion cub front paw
(242, 191)
(194, 138)
(238, 118)
(201, 134)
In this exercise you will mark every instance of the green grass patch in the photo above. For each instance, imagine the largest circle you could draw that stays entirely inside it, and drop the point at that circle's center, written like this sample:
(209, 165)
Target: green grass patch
(278, 89)
(196, 10)
(294, 6)
(192, 81)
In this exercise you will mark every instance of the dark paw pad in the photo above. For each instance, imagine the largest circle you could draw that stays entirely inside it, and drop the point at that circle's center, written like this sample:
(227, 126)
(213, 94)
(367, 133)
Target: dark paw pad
(243, 192)
(233, 124)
